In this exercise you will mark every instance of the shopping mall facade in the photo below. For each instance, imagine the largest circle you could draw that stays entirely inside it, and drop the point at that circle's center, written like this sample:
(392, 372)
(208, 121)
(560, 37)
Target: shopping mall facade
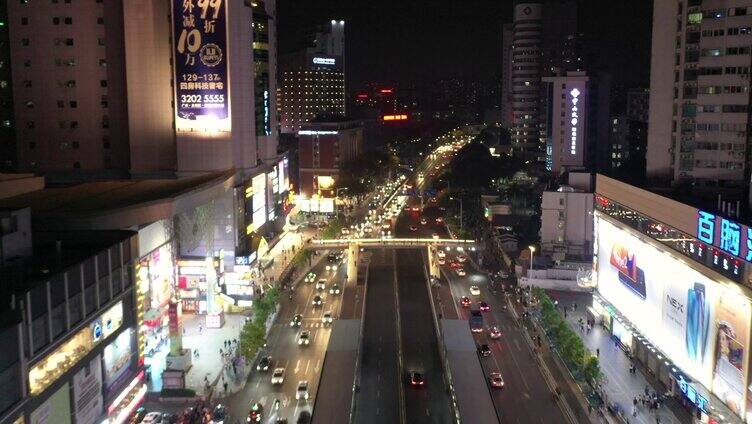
(674, 290)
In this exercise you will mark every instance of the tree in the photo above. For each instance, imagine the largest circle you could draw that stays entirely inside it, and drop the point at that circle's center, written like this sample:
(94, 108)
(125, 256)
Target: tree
(252, 338)
(591, 369)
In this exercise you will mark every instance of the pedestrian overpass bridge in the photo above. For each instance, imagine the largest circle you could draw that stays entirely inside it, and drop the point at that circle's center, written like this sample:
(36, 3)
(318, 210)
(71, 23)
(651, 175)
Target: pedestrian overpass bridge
(391, 243)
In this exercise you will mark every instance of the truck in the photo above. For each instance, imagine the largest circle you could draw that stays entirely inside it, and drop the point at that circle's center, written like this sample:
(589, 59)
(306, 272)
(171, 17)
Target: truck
(476, 321)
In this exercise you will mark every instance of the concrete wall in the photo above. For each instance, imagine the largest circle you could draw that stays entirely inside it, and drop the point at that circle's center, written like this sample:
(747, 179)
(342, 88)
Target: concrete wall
(567, 223)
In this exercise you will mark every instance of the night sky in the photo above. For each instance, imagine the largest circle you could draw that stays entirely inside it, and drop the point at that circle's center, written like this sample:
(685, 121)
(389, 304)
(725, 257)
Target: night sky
(406, 41)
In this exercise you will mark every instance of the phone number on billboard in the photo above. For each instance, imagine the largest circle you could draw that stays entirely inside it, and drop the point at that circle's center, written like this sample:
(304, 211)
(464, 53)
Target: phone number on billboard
(201, 100)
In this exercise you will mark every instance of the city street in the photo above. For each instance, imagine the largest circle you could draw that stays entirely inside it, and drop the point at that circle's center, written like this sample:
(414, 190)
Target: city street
(301, 363)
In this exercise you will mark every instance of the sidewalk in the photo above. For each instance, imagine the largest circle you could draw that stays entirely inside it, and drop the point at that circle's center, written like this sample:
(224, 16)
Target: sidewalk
(619, 387)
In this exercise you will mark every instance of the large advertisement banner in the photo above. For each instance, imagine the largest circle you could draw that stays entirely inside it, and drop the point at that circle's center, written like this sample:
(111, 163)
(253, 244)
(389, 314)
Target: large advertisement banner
(202, 96)
(701, 325)
(117, 357)
(87, 392)
(55, 410)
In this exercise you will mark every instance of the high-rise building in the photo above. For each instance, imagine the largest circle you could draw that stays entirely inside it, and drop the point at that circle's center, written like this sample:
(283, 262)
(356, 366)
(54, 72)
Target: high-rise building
(506, 75)
(700, 65)
(564, 128)
(111, 89)
(526, 74)
(7, 123)
(312, 80)
(638, 104)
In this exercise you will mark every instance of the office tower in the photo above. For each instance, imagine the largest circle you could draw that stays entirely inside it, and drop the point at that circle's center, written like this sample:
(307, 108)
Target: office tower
(638, 104)
(699, 96)
(7, 123)
(105, 89)
(565, 124)
(312, 80)
(506, 75)
(526, 73)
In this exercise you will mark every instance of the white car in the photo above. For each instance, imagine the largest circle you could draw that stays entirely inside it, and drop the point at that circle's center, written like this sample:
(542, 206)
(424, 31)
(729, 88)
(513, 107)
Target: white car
(441, 254)
(474, 290)
(334, 289)
(462, 258)
(304, 339)
(152, 418)
(327, 318)
(321, 284)
(331, 268)
(278, 376)
(302, 391)
(461, 272)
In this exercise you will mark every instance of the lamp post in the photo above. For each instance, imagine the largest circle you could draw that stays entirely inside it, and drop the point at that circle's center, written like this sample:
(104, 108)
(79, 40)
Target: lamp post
(336, 196)
(460, 199)
(532, 250)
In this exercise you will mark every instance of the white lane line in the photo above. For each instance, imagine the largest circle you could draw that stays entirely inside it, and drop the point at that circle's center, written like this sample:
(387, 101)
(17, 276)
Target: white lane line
(318, 365)
(307, 365)
(297, 367)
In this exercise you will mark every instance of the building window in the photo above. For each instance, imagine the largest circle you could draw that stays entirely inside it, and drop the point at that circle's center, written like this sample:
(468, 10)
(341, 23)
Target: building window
(103, 83)
(73, 124)
(61, 104)
(100, 21)
(103, 102)
(30, 104)
(24, 21)
(24, 41)
(102, 62)
(55, 21)
(89, 307)
(32, 145)
(30, 125)
(68, 21)
(27, 83)
(73, 104)
(75, 144)
(100, 41)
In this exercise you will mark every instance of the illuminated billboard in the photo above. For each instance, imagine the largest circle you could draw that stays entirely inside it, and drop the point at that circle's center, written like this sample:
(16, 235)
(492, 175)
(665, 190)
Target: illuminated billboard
(202, 95)
(701, 325)
(259, 200)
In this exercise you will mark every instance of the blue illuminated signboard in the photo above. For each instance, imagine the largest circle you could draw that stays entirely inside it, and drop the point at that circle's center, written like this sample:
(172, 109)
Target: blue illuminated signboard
(691, 393)
(725, 234)
(202, 98)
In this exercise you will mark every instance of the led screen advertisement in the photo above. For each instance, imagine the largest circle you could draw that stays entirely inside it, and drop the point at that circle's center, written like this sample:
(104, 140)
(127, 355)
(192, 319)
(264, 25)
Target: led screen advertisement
(700, 324)
(259, 200)
(202, 96)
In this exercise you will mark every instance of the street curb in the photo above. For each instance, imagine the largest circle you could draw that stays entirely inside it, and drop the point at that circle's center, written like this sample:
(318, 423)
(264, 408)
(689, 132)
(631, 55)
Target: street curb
(400, 366)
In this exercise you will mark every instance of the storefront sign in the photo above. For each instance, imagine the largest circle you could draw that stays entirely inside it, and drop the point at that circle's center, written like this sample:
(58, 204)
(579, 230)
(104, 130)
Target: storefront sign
(127, 401)
(245, 260)
(725, 234)
(691, 393)
(117, 358)
(324, 61)
(87, 392)
(55, 410)
(202, 95)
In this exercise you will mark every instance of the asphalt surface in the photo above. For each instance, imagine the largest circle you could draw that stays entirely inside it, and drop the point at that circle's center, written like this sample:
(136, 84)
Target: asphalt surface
(300, 363)
(377, 400)
(526, 397)
(420, 347)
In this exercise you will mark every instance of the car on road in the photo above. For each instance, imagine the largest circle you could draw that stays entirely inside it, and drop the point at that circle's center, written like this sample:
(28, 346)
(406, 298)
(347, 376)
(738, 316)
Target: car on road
(304, 338)
(474, 290)
(503, 274)
(415, 209)
(465, 302)
(416, 379)
(152, 418)
(413, 228)
(297, 320)
(327, 318)
(302, 390)
(462, 259)
(331, 258)
(345, 231)
(331, 268)
(321, 284)
(334, 289)
(496, 380)
(442, 261)
(310, 277)
(441, 254)
(439, 220)
(264, 363)
(256, 414)
(278, 376)
(483, 306)
(219, 415)
(494, 332)
(168, 418)
(317, 301)
(484, 350)
(423, 221)
(461, 272)
(454, 265)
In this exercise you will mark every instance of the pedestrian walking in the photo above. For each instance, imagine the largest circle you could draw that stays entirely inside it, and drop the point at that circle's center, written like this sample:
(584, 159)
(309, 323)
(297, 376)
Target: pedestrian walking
(597, 352)
(647, 390)
(634, 401)
(634, 411)
(225, 386)
(200, 329)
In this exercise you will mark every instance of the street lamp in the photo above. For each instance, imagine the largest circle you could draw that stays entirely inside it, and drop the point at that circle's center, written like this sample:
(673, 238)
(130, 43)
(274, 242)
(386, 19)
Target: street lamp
(532, 250)
(460, 199)
(336, 196)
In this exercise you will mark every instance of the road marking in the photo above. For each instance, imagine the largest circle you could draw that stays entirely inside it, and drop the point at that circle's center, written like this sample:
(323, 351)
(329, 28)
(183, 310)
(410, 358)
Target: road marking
(318, 364)
(378, 393)
(295, 411)
(308, 364)
(517, 344)
(297, 367)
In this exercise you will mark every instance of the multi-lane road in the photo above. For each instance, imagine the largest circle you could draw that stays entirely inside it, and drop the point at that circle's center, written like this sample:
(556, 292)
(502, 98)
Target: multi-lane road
(301, 363)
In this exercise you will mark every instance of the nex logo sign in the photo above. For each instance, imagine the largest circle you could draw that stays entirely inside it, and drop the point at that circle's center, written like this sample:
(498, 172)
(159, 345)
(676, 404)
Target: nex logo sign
(675, 303)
